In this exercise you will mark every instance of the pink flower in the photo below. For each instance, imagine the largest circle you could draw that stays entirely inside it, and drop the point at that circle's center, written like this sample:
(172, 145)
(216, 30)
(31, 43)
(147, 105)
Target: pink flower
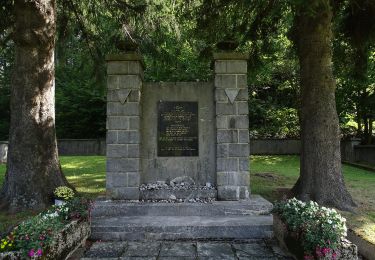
(39, 252)
(326, 250)
(334, 255)
(31, 253)
(318, 252)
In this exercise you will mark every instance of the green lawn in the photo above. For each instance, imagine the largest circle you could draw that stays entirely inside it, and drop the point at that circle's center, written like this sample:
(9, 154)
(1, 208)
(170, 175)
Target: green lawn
(2, 173)
(86, 173)
(271, 176)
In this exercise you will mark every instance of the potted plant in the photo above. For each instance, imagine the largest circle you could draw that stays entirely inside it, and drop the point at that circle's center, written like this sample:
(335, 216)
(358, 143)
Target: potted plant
(63, 194)
(309, 231)
(52, 234)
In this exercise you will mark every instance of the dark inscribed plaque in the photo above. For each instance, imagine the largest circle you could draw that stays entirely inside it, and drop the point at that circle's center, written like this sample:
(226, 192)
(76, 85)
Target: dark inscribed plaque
(178, 128)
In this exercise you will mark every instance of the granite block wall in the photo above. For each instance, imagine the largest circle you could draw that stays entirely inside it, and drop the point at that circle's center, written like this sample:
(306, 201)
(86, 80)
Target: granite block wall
(232, 123)
(125, 80)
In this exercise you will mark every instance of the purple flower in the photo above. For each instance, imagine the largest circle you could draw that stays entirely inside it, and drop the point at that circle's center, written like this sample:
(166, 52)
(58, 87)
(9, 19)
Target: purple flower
(31, 253)
(39, 252)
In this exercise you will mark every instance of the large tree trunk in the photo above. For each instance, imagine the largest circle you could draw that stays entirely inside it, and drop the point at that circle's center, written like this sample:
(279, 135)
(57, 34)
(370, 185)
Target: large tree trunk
(370, 130)
(321, 176)
(33, 168)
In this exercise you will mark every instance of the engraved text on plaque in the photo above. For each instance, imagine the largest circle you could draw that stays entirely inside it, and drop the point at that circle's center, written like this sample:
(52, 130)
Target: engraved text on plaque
(178, 128)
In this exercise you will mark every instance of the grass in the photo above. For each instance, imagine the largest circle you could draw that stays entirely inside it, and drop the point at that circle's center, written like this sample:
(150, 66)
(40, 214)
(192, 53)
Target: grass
(272, 175)
(85, 173)
(2, 173)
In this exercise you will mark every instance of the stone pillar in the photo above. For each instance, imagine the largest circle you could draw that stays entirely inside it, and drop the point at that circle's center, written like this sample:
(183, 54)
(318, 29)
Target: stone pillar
(232, 123)
(125, 77)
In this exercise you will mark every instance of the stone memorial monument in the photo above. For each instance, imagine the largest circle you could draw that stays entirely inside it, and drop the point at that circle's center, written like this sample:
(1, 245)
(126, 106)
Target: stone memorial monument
(178, 157)
(195, 132)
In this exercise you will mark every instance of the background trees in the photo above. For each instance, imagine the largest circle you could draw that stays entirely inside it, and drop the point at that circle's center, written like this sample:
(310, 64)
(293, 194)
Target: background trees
(177, 39)
(356, 38)
(87, 30)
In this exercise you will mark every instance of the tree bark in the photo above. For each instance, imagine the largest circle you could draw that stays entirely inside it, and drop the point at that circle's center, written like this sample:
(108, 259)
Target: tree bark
(370, 131)
(33, 168)
(359, 121)
(366, 133)
(321, 178)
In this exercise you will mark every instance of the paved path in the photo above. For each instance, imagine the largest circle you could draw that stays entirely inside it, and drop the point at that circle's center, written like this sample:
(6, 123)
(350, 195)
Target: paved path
(208, 250)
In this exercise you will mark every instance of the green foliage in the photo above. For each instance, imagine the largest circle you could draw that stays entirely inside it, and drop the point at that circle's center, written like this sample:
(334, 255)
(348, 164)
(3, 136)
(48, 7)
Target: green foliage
(80, 104)
(354, 63)
(320, 228)
(37, 232)
(6, 58)
(35, 235)
(78, 209)
(276, 123)
(177, 39)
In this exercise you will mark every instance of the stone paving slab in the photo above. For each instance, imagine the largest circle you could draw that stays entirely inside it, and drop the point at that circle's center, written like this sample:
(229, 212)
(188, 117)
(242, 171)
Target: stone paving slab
(188, 250)
(254, 249)
(106, 249)
(215, 250)
(142, 249)
(178, 249)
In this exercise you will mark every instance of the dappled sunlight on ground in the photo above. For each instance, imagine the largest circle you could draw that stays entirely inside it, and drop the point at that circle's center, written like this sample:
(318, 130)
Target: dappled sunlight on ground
(362, 222)
(269, 160)
(360, 183)
(271, 177)
(85, 173)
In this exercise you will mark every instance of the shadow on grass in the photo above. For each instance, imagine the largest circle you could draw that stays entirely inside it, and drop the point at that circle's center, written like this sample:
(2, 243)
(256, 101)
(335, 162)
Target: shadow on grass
(85, 173)
(360, 183)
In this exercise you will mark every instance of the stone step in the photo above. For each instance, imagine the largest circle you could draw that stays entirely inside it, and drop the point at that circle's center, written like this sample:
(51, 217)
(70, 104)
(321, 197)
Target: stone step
(181, 228)
(257, 205)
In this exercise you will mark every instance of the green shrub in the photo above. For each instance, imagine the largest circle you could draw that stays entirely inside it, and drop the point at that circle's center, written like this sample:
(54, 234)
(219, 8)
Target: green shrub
(320, 228)
(64, 193)
(35, 235)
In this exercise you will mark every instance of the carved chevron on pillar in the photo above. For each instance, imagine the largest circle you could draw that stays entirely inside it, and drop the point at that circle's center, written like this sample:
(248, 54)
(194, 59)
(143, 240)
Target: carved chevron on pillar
(231, 94)
(123, 94)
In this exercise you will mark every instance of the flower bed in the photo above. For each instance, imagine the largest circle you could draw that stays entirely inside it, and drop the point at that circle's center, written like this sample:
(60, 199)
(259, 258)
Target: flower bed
(52, 234)
(312, 232)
